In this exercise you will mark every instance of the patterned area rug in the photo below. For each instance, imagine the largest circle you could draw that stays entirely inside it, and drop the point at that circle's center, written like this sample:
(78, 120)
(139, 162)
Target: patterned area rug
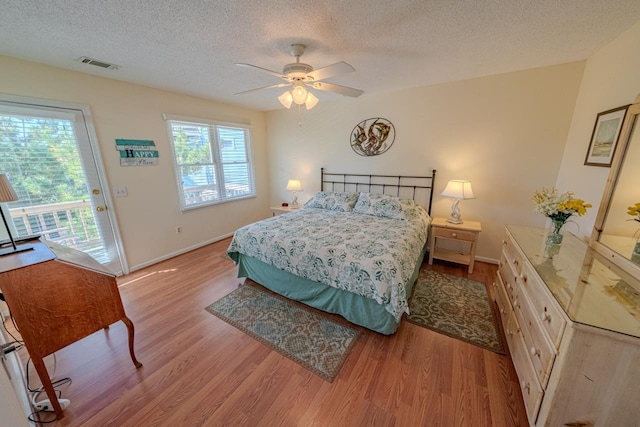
(310, 339)
(457, 307)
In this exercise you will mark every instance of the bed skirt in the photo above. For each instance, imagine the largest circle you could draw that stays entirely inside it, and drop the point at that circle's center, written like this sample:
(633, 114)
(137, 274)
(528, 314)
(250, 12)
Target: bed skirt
(355, 308)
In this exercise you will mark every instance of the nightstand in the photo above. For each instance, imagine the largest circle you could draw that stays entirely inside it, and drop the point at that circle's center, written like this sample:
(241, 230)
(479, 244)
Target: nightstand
(279, 210)
(466, 233)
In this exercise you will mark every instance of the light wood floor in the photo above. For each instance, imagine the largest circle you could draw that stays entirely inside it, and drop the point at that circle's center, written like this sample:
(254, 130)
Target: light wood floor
(198, 370)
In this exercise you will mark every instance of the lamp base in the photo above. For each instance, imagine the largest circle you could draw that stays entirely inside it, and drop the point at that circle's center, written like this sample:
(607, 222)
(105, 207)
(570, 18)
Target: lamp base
(21, 248)
(454, 216)
(455, 220)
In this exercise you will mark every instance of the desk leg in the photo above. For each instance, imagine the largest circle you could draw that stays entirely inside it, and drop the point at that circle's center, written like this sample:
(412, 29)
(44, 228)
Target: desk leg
(41, 369)
(130, 327)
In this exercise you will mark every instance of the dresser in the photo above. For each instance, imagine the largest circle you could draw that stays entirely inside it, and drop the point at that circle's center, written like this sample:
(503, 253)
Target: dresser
(572, 324)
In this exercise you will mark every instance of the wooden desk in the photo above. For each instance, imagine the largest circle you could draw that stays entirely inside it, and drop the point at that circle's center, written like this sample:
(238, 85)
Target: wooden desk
(57, 296)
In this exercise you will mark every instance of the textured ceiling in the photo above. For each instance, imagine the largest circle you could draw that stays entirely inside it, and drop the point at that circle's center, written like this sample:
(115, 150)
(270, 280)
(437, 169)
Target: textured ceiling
(191, 46)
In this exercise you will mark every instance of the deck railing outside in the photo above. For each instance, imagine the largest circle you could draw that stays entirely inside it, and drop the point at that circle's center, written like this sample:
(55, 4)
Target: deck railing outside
(70, 223)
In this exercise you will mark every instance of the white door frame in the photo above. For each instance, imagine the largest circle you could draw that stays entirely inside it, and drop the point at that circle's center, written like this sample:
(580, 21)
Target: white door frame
(95, 148)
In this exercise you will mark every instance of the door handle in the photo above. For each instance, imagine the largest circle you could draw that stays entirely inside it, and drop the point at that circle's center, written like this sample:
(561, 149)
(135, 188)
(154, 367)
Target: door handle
(95, 191)
(101, 208)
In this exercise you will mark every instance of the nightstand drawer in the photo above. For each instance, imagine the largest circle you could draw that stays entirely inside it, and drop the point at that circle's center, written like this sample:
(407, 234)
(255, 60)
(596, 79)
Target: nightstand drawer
(468, 236)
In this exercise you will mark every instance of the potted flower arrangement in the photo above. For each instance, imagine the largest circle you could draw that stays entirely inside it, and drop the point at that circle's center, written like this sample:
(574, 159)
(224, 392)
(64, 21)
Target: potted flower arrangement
(559, 207)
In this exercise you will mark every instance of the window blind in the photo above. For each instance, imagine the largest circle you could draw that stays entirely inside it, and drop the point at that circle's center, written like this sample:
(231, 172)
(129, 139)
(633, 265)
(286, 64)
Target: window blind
(212, 162)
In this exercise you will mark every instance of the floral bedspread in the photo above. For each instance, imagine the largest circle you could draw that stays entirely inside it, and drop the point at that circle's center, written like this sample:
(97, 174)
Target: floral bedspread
(364, 254)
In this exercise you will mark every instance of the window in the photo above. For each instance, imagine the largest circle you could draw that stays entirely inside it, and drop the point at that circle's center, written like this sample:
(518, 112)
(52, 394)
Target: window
(212, 161)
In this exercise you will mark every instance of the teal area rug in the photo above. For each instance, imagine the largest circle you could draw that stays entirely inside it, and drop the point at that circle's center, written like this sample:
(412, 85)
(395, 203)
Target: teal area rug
(457, 307)
(312, 340)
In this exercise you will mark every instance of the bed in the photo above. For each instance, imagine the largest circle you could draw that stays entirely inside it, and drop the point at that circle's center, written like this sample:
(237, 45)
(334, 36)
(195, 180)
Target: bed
(354, 249)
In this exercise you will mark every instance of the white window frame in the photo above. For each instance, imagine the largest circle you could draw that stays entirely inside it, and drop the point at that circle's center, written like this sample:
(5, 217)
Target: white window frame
(216, 161)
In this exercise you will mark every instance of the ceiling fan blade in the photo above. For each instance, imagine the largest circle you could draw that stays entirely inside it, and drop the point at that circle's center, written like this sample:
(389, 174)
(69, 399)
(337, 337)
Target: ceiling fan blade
(273, 73)
(264, 87)
(342, 90)
(331, 70)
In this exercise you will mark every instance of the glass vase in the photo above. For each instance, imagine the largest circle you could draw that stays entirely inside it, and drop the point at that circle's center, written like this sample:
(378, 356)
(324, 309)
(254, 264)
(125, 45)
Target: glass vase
(635, 255)
(555, 238)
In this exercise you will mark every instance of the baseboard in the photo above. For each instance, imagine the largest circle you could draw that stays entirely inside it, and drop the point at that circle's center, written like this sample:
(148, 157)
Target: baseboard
(488, 260)
(179, 252)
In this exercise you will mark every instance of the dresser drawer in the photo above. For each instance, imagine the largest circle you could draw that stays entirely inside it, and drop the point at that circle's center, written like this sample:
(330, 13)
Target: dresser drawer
(532, 392)
(469, 236)
(509, 277)
(540, 349)
(504, 305)
(512, 254)
(549, 314)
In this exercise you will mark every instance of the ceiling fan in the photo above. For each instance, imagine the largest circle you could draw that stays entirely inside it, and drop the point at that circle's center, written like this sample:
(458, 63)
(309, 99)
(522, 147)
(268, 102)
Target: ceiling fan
(300, 76)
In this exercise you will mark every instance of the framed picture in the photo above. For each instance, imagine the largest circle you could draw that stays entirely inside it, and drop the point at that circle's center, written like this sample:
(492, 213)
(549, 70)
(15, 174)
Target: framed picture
(604, 138)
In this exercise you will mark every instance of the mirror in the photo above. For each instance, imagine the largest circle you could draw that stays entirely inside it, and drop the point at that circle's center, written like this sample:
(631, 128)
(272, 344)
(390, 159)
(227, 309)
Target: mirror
(616, 232)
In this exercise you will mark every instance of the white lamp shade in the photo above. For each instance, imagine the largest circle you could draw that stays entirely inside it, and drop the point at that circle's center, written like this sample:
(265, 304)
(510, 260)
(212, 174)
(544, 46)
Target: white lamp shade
(311, 101)
(7, 193)
(286, 99)
(299, 94)
(294, 185)
(458, 189)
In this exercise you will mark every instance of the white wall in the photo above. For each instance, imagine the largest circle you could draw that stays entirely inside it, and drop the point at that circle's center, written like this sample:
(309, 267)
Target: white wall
(505, 133)
(611, 79)
(149, 215)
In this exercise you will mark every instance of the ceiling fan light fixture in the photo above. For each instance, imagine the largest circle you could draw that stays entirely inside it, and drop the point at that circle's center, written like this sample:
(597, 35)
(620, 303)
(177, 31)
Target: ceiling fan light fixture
(286, 99)
(311, 101)
(299, 94)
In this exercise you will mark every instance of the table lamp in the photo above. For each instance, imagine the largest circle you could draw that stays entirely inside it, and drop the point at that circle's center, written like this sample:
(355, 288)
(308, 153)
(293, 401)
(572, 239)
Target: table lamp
(294, 186)
(458, 190)
(8, 194)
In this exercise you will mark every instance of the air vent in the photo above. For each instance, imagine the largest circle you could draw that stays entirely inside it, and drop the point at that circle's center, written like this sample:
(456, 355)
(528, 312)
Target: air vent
(98, 63)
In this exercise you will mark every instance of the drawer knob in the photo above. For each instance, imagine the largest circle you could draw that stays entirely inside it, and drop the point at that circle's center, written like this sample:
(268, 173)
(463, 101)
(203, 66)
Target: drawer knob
(454, 235)
(546, 317)
(504, 242)
(523, 277)
(508, 285)
(525, 386)
(534, 351)
(509, 331)
(514, 261)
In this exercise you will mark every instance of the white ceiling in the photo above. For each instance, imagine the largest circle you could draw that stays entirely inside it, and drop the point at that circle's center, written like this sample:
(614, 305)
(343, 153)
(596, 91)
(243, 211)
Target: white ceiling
(190, 46)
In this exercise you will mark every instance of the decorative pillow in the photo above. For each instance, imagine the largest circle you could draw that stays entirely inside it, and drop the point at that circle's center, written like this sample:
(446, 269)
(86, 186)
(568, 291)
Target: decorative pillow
(386, 206)
(343, 202)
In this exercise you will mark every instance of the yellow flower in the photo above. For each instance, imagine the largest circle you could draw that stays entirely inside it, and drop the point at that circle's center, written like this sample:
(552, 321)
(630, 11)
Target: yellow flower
(634, 211)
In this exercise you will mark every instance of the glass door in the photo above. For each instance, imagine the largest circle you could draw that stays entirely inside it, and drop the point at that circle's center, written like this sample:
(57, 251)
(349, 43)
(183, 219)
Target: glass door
(47, 154)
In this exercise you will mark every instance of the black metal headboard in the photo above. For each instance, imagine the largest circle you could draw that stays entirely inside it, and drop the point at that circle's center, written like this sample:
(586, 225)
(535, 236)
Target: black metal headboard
(418, 188)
